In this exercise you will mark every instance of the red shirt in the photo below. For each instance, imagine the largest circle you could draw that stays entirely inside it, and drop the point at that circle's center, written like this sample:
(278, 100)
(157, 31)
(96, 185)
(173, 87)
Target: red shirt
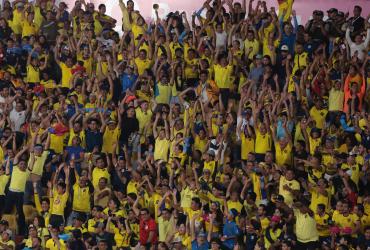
(145, 228)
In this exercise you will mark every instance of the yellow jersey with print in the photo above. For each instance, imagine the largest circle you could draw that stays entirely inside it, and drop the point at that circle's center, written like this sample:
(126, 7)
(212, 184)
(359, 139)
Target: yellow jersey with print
(283, 155)
(80, 134)
(142, 65)
(293, 184)
(66, 75)
(254, 45)
(29, 29)
(164, 93)
(121, 237)
(81, 198)
(186, 195)
(323, 222)
(336, 100)
(355, 171)
(210, 165)
(191, 68)
(318, 116)
(300, 61)
(263, 142)
(51, 245)
(99, 173)
(306, 230)
(348, 221)
(318, 198)
(59, 202)
(33, 74)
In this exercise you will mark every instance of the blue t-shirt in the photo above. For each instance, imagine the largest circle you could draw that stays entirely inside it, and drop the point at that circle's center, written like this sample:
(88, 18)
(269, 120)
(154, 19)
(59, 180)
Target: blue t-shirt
(230, 230)
(195, 246)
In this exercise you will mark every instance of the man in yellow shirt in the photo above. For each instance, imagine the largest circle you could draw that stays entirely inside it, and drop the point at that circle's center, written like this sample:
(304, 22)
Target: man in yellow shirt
(288, 186)
(59, 192)
(223, 70)
(14, 197)
(162, 142)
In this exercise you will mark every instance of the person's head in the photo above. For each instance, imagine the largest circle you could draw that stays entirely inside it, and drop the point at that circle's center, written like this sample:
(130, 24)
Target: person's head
(144, 214)
(6, 235)
(203, 76)
(100, 163)
(93, 124)
(195, 203)
(201, 238)
(142, 54)
(286, 245)
(102, 245)
(215, 244)
(358, 39)
(357, 11)
(299, 48)
(289, 174)
(345, 208)
(359, 209)
(102, 8)
(261, 211)
(22, 165)
(130, 5)
(61, 188)
(320, 209)
(45, 204)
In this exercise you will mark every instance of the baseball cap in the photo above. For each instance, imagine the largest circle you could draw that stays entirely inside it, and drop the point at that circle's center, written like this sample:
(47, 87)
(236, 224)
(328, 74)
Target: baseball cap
(275, 218)
(284, 48)
(258, 56)
(202, 234)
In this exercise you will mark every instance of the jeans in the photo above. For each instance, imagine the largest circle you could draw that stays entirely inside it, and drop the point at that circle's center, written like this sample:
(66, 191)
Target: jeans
(16, 199)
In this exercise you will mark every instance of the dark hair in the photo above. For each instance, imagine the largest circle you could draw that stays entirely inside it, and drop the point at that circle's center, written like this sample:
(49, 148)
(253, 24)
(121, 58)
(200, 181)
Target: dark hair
(321, 206)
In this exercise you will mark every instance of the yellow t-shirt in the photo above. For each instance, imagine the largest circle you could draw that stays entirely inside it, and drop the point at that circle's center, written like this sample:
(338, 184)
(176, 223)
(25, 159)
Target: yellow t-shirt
(110, 137)
(121, 237)
(38, 166)
(3, 181)
(28, 29)
(335, 101)
(263, 142)
(57, 143)
(306, 230)
(33, 74)
(346, 221)
(223, 75)
(318, 116)
(66, 75)
(142, 65)
(81, 198)
(99, 173)
(143, 118)
(254, 44)
(50, 244)
(161, 149)
(19, 179)
(322, 221)
(293, 184)
(283, 156)
(247, 146)
(59, 202)
(164, 93)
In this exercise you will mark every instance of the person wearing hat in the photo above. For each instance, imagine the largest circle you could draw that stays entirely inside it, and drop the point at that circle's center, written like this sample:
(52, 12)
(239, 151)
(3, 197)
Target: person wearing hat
(201, 240)
(230, 231)
(273, 234)
(6, 241)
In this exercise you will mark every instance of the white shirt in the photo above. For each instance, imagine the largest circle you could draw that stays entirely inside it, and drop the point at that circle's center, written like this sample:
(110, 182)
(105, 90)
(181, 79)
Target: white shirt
(360, 48)
(221, 39)
(18, 118)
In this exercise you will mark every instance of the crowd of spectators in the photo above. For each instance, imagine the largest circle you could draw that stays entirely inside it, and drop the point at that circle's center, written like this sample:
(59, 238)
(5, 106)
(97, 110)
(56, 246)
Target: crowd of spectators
(235, 127)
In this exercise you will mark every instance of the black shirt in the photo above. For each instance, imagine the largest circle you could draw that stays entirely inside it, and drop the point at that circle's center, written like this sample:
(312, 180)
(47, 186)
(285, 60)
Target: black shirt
(129, 126)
